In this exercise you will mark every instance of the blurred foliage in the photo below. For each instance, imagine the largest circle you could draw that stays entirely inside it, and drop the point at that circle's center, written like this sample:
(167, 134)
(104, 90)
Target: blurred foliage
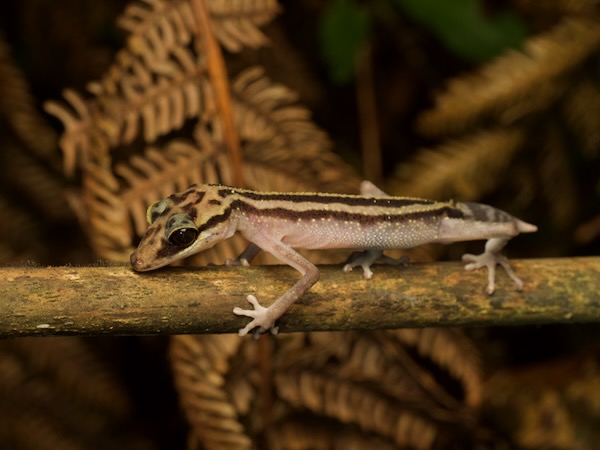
(343, 29)
(464, 27)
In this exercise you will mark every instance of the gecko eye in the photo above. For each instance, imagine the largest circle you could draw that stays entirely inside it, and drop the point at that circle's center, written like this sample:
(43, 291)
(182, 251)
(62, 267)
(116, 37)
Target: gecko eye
(183, 237)
(181, 230)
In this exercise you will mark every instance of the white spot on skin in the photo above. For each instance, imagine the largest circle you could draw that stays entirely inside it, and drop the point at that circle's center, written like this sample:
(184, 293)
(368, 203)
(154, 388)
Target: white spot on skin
(43, 325)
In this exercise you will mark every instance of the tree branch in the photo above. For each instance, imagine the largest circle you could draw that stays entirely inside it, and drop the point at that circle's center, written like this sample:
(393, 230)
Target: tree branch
(116, 301)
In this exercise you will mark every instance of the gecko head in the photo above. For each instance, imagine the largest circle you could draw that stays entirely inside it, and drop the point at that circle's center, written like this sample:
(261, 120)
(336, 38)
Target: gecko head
(178, 230)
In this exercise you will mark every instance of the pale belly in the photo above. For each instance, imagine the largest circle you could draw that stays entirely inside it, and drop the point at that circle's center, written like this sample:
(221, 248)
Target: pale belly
(353, 235)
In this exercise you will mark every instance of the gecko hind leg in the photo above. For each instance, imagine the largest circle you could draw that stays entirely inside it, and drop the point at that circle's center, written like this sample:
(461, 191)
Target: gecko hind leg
(490, 258)
(245, 257)
(367, 258)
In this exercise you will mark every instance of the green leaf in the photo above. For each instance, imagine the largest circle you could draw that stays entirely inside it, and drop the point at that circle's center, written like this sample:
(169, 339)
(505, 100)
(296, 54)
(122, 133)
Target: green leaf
(343, 29)
(464, 28)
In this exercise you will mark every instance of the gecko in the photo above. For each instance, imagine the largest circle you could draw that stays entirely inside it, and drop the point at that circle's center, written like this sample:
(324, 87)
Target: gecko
(199, 217)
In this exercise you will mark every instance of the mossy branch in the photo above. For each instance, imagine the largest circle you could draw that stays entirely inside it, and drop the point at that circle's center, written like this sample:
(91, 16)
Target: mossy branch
(116, 301)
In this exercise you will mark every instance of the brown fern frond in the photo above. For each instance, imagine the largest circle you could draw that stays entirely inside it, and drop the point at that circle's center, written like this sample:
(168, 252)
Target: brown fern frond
(107, 218)
(450, 350)
(80, 121)
(353, 404)
(351, 380)
(384, 358)
(160, 95)
(201, 364)
(296, 169)
(18, 107)
(266, 111)
(513, 78)
(155, 23)
(464, 168)
(156, 27)
(236, 23)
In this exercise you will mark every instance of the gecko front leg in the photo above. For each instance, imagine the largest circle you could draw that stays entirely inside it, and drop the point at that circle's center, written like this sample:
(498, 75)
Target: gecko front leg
(264, 318)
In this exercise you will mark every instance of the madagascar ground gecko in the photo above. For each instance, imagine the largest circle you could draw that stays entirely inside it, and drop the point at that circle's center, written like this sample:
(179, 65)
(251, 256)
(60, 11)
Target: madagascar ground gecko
(201, 216)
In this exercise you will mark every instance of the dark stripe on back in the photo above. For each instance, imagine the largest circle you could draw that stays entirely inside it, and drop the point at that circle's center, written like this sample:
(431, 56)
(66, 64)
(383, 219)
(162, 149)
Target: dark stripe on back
(284, 213)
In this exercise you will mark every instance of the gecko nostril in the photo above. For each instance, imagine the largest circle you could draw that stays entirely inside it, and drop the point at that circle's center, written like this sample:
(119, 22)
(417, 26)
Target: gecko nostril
(136, 262)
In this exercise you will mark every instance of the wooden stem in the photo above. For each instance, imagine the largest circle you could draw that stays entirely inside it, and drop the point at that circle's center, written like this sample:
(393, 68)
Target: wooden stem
(115, 300)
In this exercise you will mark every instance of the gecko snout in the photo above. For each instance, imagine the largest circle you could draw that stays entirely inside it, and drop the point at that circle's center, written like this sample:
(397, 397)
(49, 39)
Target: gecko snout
(136, 262)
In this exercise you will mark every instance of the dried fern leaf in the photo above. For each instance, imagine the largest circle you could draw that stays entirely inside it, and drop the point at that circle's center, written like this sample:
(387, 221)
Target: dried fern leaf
(235, 24)
(514, 77)
(160, 94)
(266, 111)
(79, 121)
(200, 364)
(351, 403)
(108, 221)
(349, 380)
(18, 107)
(383, 359)
(452, 351)
(308, 168)
(157, 27)
(464, 168)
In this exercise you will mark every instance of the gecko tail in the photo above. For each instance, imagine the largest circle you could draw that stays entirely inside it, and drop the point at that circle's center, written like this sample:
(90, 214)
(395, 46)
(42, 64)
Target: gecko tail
(525, 227)
(485, 213)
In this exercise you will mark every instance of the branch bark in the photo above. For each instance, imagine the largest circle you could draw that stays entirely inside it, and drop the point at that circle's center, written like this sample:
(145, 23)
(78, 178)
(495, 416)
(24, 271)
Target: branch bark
(116, 301)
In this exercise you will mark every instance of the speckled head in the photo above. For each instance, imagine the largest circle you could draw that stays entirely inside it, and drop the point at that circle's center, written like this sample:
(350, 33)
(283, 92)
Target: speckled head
(181, 225)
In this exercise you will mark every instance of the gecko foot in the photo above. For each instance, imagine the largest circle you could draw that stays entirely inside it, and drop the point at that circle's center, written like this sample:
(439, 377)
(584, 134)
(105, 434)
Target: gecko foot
(491, 260)
(367, 258)
(261, 319)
